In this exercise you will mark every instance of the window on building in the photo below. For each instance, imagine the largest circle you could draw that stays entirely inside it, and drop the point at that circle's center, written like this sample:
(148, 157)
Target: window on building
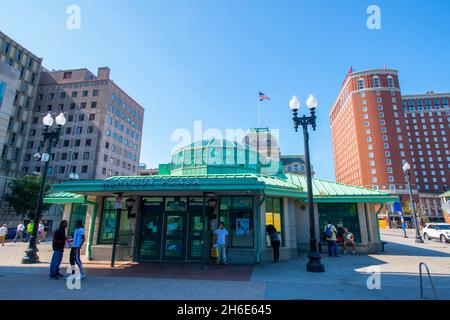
(274, 216)
(108, 222)
(376, 82)
(342, 215)
(237, 214)
(360, 84)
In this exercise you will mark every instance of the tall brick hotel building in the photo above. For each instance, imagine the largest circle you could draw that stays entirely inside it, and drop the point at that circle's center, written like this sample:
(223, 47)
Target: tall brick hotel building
(375, 129)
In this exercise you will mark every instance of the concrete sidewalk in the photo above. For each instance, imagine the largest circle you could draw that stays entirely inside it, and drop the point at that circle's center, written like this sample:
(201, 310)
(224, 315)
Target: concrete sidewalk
(345, 277)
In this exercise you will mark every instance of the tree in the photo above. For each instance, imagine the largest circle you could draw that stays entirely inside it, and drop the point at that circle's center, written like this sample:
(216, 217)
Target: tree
(24, 195)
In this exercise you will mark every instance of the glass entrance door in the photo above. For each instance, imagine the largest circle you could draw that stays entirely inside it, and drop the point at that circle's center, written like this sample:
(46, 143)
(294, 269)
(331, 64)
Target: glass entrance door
(195, 237)
(174, 242)
(151, 229)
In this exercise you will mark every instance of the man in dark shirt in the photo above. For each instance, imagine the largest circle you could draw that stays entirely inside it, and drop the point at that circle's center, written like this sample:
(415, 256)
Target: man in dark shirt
(59, 242)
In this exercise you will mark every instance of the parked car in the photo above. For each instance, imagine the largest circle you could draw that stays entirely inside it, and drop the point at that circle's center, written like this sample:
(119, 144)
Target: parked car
(439, 231)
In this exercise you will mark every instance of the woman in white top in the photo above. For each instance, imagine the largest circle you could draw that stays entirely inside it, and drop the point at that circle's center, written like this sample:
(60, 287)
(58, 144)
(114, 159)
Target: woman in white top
(19, 232)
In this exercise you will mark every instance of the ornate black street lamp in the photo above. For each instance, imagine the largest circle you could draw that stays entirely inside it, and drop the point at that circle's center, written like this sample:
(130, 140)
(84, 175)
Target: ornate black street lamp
(314, 263)
(406, 168)
(49, 140)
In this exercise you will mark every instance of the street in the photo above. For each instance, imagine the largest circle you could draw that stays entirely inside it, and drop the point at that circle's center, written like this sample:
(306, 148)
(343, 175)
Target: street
(346, 277)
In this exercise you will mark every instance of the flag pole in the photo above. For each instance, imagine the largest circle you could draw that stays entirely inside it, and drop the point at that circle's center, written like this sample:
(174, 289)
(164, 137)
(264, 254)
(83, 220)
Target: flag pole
(259, 115)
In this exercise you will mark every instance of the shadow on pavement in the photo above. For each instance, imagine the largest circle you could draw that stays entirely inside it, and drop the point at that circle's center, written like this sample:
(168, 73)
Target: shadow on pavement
(397, 249)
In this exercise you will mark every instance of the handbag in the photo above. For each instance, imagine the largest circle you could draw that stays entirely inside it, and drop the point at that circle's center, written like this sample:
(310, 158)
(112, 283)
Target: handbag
(214, 251)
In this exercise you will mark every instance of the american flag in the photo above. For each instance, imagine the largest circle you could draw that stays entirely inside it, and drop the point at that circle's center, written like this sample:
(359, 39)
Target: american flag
(263, 97)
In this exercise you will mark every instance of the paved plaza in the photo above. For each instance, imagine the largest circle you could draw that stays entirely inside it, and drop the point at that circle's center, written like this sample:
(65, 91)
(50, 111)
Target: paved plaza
(346, 277)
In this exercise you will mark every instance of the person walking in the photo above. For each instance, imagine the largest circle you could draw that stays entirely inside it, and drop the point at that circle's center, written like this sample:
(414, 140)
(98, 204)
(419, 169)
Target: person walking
(221, 240)
(3, 233)
(77, 242)
(330, 235)
(274, 241)
(404, 228)
(19, 232)
(41, 231)
(59, 242)
(30, 228)
(349, 240)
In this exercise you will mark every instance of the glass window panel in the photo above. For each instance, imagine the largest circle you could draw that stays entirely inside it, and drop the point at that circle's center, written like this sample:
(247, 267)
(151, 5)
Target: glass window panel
(196, 248)
(225, 203)
(243, 203)
(176, 204)
(341, 215)
(174, 248)
(174, 226)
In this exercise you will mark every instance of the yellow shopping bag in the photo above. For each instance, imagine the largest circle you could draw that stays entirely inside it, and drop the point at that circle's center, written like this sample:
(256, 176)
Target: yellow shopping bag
(214, 252)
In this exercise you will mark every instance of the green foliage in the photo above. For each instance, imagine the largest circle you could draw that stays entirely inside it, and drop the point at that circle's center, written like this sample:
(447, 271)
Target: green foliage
(24, 195)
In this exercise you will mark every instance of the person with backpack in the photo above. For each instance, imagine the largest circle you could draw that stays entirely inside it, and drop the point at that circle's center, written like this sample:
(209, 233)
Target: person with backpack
(274, 241)
(330, 235)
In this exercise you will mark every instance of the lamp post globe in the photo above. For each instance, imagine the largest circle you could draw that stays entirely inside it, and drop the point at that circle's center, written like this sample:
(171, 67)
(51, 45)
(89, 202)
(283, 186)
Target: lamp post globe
(311, 102)
(48, 120)
(61, 119)
(294, 104)
(406, 167)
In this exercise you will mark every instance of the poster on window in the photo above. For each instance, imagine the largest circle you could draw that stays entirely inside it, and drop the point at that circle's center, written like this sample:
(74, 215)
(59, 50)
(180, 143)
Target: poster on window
(242, 227)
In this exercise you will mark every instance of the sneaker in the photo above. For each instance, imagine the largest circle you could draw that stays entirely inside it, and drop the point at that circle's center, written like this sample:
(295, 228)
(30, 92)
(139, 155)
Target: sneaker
(59, 275)
(353, 253)
(53, 278)
(345, 252)
(81, 277)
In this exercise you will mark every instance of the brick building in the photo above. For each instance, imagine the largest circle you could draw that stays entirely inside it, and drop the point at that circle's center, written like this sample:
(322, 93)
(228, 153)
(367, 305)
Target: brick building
(375, 129)
(102, 136)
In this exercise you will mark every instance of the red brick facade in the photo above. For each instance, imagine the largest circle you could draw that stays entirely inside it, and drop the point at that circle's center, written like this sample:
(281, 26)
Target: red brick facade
(374, 131)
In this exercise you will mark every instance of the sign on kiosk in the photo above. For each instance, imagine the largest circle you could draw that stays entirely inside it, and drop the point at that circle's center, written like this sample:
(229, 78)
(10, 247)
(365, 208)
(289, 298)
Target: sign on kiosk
(118, 203)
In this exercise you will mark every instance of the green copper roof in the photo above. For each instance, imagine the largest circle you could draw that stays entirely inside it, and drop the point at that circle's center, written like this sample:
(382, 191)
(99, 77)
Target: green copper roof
(64, 197)
(445, 194)
(282, 185)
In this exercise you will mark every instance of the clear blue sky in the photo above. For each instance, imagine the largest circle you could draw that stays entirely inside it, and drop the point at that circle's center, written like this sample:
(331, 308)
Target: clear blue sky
(206, 60)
